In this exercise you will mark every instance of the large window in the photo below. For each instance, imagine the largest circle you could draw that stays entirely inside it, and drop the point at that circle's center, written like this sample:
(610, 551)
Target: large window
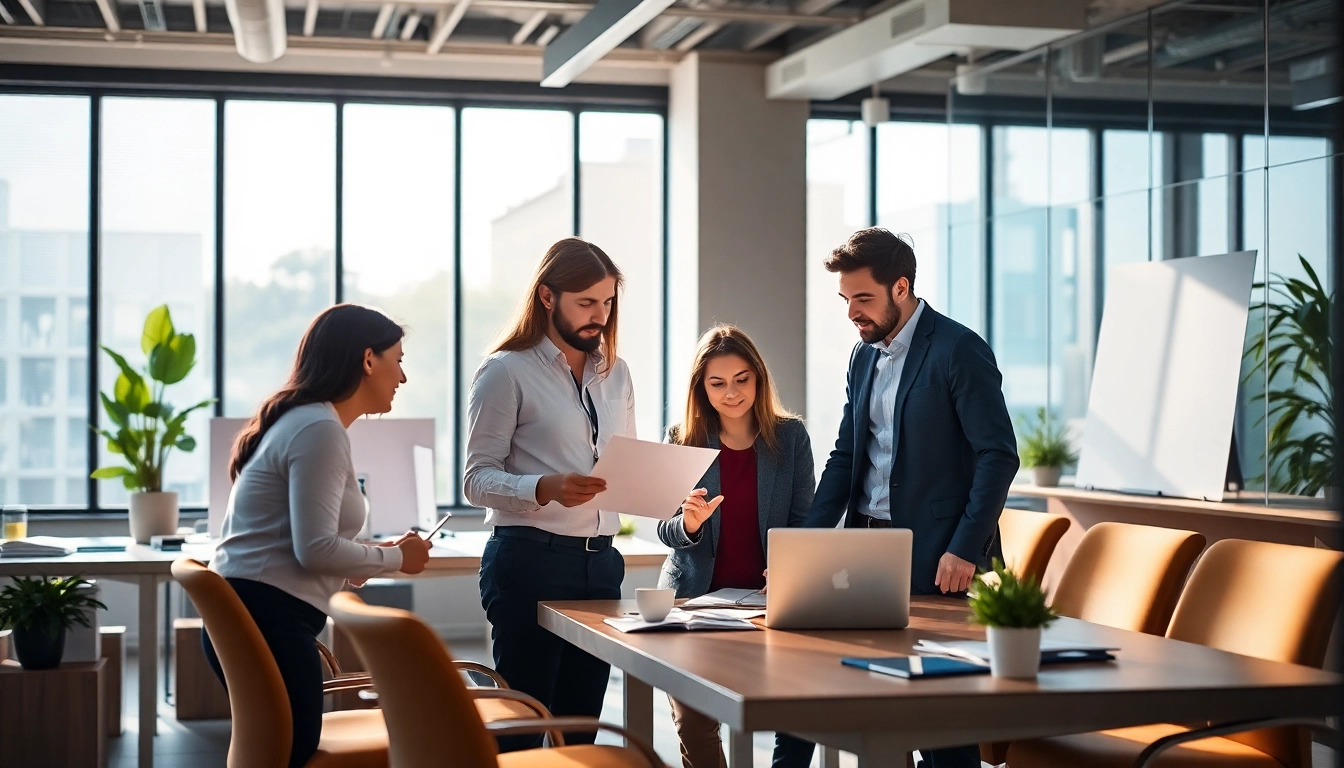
(44, 282)
(319, 203)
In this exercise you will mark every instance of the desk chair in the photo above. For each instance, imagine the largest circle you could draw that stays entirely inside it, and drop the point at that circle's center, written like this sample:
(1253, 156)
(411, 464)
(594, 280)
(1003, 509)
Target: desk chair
(262, 728)
(1029, 539)
(1127, 576)
(431, 720)
(1272, 601)
(1121, 575)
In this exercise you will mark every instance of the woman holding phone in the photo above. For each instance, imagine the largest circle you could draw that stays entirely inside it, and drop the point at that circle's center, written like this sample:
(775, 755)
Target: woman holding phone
(295, 509)
(763, 478)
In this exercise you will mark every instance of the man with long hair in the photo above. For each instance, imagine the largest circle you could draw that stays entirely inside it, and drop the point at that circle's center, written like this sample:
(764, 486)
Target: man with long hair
(542, 407)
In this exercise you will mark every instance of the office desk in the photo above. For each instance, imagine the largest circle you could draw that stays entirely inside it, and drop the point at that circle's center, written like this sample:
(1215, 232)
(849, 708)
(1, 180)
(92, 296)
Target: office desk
(458, 555)
(793, 682)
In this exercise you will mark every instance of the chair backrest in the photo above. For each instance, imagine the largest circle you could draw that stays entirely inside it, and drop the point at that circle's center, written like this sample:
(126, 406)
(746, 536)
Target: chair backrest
(423, 698)
(1272, 601)
(1029, 539)
(262, 726)
(1127, 576)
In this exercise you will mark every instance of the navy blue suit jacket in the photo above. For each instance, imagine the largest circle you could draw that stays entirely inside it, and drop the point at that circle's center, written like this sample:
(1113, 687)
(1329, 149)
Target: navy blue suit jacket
(956, 453)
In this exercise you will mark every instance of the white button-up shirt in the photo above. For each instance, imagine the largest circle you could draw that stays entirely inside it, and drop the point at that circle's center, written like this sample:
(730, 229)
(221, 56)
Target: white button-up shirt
(882, 417)
(525, 419)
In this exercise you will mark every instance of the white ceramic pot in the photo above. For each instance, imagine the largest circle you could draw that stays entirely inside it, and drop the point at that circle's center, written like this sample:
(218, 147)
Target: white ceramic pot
(1047, 477)
(153, 514)
(1014, 652)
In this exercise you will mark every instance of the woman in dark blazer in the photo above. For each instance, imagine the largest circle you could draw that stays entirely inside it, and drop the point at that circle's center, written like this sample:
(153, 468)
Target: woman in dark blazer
(763, 478)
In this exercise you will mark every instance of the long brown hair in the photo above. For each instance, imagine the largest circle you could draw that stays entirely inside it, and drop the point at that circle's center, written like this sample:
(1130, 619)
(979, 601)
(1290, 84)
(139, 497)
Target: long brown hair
(328, 367)
(701, 419)
(569, 266)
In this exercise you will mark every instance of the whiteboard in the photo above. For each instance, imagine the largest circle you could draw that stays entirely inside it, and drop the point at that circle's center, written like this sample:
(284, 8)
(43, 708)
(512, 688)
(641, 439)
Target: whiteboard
(1164, 386)
(381, 449)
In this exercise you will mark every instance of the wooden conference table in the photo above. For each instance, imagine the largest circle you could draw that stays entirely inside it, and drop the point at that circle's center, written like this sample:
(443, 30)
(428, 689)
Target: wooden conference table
(456, 555)
(793, 681)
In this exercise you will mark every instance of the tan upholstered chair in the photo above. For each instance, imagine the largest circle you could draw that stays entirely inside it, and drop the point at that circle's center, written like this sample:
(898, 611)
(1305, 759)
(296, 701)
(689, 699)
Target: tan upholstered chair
(1272, 601)
(262, 728)
(1127, 576)
(431, 720)
(1029, 539)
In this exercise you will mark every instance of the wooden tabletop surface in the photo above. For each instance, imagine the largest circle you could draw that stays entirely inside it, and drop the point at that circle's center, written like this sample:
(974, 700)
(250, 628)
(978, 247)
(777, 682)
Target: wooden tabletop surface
(776, 680)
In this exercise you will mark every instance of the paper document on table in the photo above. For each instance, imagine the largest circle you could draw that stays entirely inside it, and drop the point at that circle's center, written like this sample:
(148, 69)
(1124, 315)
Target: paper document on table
(728, 598)
(648, 479)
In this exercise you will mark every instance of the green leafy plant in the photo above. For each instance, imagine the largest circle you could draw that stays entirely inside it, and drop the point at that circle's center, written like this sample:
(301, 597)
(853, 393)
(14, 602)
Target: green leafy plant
(1004, 600)
(627, 526)
(1296, 342)
(45, 604)
(147, 428)
(1044, 444)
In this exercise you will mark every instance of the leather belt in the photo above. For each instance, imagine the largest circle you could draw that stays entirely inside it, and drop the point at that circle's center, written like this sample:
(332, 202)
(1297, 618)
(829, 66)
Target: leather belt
(586, 543)
(872, 522)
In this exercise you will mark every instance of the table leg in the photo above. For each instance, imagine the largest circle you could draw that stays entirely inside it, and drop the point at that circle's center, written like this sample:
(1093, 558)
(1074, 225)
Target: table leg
(830, 757)
(149, 668)
(741, 751)
(639, 708)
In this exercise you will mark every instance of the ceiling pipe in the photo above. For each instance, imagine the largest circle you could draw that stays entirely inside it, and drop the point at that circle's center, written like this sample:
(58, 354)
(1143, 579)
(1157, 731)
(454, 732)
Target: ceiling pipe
(258, 28)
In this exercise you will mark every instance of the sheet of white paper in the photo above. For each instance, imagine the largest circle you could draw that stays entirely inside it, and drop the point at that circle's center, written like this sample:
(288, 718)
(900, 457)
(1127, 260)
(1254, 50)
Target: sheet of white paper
(648, 479)
(426, 507)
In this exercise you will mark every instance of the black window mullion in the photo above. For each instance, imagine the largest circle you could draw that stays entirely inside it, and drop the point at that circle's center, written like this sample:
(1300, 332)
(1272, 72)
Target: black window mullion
(577, 174)
(338, 267)
(987, 233)
(872, 176)
(219, 257)
(667, 275)
(1096, 192)
(459, 412)
(95, 227)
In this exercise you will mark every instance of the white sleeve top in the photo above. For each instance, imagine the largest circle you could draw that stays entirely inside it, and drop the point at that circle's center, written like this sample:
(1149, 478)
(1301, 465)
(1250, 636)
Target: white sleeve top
(295, 510)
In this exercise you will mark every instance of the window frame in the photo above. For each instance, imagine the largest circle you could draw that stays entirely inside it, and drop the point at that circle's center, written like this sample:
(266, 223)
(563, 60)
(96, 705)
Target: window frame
(220, 87)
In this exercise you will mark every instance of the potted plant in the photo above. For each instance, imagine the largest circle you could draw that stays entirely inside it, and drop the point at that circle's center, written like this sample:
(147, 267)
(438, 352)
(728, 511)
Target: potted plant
(1014, 612)
(40, 610)
(1045, 449)
(1296, 351)
(146, 427)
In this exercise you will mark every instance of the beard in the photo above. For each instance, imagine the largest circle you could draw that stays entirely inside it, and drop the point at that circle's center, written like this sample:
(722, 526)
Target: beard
(571, 334)
(883, 328)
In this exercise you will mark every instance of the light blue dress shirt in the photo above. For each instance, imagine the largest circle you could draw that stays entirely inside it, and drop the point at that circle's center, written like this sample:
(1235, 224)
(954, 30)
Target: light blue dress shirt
(882, 418)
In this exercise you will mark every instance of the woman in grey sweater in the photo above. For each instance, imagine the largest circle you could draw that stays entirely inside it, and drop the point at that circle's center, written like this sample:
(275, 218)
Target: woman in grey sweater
(762, 479)
(288, 541)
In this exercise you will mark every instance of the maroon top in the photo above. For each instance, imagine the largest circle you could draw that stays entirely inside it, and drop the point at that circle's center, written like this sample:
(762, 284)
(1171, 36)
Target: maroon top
(739, 559)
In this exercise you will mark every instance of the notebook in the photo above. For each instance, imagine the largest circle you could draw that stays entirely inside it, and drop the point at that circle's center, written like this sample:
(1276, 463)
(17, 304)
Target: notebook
(1052, 651)
(37, 546)
(917, 666)
(679, 620)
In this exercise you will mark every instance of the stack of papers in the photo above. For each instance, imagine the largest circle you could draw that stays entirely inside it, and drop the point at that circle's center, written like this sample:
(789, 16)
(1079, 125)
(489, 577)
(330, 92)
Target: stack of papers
(682, 620)
(1052, 651)
(728, 598)
(37, 546)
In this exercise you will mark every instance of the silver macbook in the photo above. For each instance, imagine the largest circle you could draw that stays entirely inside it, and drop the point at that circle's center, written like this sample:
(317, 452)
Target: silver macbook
(839, 578)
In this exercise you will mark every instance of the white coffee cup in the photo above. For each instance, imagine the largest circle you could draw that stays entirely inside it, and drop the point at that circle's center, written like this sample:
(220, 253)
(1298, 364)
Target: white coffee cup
(654, 604)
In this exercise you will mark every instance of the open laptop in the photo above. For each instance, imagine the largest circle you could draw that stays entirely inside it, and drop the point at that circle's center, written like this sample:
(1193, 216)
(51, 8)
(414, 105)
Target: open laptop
(839, 578)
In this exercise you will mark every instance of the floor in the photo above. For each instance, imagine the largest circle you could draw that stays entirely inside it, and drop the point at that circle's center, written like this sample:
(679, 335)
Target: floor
(205, 743)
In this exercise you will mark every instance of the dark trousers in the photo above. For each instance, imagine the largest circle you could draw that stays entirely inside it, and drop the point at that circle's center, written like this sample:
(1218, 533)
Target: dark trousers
(290, 628)
(518, 573)
(793, 752)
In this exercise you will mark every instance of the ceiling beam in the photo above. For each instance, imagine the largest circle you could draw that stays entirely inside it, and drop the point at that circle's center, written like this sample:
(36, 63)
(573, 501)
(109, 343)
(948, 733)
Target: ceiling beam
(446, 26)
(198, 11)
(528, 28)
(807, 8)
(698, 36)
(310, 18)
(412, 24)
(547, 35)
(31, 7)
(5, 15)
(606, 26)
(384, 18)
(109, 13)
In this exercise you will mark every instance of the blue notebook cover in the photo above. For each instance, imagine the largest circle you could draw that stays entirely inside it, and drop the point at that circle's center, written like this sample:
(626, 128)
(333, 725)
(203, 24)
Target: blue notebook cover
(918, 666)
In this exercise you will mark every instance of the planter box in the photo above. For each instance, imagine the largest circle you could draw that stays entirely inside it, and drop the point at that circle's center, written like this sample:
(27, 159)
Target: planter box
(31, 701)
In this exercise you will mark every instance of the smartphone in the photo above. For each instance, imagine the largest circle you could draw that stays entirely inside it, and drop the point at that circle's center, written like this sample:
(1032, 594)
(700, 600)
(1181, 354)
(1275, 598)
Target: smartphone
(438, 527)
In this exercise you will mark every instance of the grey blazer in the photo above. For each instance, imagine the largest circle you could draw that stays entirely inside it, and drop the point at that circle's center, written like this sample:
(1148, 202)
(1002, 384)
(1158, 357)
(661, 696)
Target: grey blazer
(785, 482)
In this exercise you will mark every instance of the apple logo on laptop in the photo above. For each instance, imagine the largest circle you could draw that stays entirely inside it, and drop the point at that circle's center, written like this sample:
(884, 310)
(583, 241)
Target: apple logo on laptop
(841, 579)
